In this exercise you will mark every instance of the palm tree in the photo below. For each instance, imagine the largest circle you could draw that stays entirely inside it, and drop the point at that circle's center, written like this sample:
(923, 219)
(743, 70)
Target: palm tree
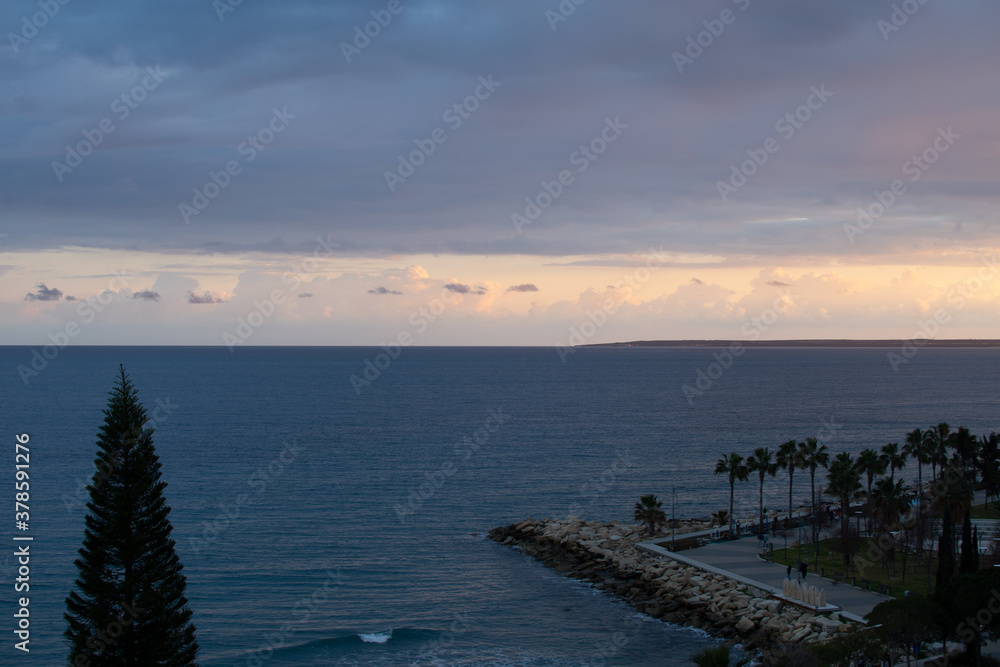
(845, 483)
(733, 466)
(761, 463)
(966, 449)
(719, 518)
(989, 463)
(789, 459)
(870, 464)
(814, 455)
(892, 501)
(648, 511)
(893, 459)
(938, 439)
(916, 447)
(951, 498)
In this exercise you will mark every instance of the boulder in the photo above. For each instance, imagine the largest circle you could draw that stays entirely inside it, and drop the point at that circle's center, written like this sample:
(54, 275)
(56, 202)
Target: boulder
(825, 624)
(745, 625)
(799, 635)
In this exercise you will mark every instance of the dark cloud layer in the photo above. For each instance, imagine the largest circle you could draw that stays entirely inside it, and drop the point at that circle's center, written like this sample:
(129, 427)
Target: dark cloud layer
(147, 295)
(460, 288)
(220, 84)
(44, 293)
(203, 298)
(527, 287)
(382, 290)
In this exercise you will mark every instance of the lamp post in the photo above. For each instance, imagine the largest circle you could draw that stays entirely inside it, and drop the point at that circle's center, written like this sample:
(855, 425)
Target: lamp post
(809, 518)
(894, 533)
(800, 540)
(673, 520)
(857, 515)
(815, 519)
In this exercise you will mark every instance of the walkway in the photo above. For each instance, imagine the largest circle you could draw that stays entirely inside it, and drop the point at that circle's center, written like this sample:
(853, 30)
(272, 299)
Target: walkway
(738, 560)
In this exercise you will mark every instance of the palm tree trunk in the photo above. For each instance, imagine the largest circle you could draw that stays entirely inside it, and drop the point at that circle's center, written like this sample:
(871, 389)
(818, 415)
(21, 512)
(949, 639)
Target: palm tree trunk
(812, 489)
(868, 506)
(920, 494)
(812, 493)
(843, 530)
(790, 478)
(732, 525)
(760, 508)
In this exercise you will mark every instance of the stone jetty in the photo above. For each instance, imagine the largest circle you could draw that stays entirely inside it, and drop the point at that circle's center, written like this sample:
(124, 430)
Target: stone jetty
(606, 554)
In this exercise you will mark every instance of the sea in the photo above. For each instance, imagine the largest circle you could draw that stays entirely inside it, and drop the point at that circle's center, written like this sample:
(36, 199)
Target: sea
(330, 504)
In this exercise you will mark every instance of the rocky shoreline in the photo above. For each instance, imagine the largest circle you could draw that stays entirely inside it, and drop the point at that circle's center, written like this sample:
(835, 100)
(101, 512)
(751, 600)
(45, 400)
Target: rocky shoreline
(659, 586)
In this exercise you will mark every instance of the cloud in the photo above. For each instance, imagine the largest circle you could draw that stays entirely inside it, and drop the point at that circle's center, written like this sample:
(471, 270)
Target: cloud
(526, 287)
(554, 97)
(460, 288)
(44, 293)
(70, 298)
(306, 295)
(205, 297)
(696, 281)
(174, 285)
(147, 295)
(777, 283)
(656, 184)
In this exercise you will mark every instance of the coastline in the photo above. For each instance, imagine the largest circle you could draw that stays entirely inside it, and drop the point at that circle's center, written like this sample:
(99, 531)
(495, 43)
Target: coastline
(969, 343)
(610, 555)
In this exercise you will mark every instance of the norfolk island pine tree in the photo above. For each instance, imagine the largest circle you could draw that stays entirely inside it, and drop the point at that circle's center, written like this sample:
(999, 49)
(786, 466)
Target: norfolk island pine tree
(128, 607)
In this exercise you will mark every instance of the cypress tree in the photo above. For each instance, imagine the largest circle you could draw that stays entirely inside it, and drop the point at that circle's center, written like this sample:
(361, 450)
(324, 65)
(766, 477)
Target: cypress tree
(128, 608)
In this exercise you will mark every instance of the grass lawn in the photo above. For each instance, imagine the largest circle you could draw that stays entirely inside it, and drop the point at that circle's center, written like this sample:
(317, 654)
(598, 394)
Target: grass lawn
(831, 561)
(986, 511)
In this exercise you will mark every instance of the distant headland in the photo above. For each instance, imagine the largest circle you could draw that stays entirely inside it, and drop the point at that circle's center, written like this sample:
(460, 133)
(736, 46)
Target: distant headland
(809, 342)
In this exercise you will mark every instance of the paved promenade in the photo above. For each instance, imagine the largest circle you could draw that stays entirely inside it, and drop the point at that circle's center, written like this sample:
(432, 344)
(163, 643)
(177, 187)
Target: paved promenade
(738, 560)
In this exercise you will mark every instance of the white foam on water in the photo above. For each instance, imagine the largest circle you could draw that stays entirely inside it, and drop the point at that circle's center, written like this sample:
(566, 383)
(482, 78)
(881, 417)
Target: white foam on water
(375, 637)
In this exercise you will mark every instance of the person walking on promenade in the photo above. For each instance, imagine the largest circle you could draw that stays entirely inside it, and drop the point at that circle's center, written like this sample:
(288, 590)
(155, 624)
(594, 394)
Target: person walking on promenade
(803, 570)
(789, 571)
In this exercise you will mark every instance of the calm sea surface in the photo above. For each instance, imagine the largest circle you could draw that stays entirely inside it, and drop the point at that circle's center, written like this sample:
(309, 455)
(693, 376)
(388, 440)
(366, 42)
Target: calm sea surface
(319, 525)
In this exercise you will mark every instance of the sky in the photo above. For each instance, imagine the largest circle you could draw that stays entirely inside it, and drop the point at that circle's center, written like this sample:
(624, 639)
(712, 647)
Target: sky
(504, 173)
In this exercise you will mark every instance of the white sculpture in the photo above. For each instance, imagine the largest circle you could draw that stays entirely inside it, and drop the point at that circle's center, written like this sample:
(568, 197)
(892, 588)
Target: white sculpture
(808, 594)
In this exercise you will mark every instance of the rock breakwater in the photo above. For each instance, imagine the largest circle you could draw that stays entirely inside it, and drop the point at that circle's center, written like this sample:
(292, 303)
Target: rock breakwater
(607, 555)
